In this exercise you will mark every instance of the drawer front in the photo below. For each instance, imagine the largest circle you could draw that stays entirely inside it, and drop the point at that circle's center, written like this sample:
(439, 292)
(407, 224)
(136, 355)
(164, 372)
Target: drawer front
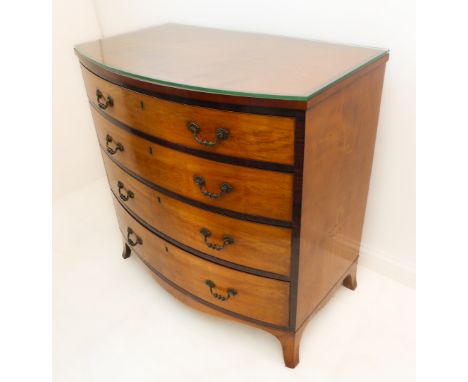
(241, 189)
(257, 297)
(253, 136)
(253, 245)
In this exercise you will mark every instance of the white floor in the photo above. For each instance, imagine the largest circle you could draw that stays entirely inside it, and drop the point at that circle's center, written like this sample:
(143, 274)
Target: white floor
(113, 322)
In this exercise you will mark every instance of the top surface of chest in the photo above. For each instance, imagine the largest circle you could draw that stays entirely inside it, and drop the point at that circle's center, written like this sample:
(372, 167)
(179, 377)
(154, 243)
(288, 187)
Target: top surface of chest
(227, 62)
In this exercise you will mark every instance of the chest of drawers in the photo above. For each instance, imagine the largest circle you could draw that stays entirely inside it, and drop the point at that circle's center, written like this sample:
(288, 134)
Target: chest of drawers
(239, 165)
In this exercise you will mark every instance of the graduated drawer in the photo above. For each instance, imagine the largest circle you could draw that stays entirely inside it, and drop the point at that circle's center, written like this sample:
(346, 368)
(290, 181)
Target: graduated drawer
(259, 246)
(252, 296)
(253, 136)
(246, 190)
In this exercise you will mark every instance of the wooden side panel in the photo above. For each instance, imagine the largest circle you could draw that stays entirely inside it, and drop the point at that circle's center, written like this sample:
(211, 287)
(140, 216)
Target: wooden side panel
(338, 153)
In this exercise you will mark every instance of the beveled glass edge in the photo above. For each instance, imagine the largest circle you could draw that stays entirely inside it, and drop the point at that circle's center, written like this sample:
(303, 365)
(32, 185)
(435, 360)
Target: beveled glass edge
(347, 74)
(233, 92)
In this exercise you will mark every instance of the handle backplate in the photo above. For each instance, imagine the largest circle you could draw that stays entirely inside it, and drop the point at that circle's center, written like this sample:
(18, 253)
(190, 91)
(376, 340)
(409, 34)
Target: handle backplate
(137, 240)
(111, 150)
(129, 194)
(221, 135)
(227, 240)
(224, 188)
(107, 101)
(228, 293)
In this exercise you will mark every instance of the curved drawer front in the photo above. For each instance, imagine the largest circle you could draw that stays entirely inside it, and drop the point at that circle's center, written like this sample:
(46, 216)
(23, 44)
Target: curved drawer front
(256, 297)
(253, 136)
(253, 245)
(241, 189)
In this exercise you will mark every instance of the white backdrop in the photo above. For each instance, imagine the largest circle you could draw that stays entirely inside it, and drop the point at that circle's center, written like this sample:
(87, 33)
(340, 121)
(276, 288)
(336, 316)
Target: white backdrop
(389, 232)
(76, 158)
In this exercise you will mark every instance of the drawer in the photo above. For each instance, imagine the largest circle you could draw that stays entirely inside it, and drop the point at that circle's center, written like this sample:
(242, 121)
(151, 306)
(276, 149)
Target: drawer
(245, 190)
(253, 296)
(259, 246)
(253, 136)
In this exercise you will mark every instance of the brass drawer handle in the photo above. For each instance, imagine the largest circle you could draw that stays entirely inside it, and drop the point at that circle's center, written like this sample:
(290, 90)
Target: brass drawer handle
(229, 292)
(100, 96)
(221, 134)
(110, 150)
(132, 243)
(224, 188)
(124, 197)
(227, 240)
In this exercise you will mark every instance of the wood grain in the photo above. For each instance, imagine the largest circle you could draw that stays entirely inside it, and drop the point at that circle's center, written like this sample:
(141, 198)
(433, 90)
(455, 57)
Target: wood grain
(232, 62)
(255, 245)
(339, 147)
(299, 155)
(257, 137)
(257, 192)
(245, 104)
(257, 297)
